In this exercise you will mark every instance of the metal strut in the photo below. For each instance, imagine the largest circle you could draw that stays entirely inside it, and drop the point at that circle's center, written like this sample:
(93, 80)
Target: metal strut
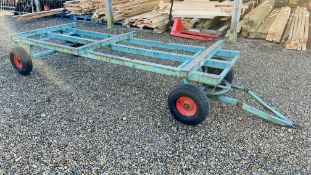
(276, 118)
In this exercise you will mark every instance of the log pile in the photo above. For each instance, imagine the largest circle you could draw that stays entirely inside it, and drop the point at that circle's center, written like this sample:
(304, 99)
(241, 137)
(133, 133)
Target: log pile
(297, 31)
(30, 16)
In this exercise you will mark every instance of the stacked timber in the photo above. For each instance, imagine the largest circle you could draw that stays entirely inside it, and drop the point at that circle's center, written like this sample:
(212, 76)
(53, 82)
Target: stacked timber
(87, 6)
(94, 7)
(123, 9)
(165, 6)
(287, 26)
(99, 12)
(155, 19)
(263, 29)
(73, 7)
(252, 21)
(277, 28)
(297, 31)
(281, 3)
(100, 3)
(212, 17)
(30, 16)
(132, 8)
(201, 9)
(217, 25)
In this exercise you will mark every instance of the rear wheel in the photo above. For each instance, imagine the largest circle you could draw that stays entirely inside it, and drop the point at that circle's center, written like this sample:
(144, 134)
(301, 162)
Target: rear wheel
(21, 60)
(188, 104)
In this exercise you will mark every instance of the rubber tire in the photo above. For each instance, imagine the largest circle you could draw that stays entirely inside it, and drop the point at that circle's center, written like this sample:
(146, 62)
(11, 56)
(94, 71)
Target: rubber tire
(197, 95)
(25, 60)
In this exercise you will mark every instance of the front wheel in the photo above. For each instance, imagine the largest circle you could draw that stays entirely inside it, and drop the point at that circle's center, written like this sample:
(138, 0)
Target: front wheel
(188, 104)
(21, 60)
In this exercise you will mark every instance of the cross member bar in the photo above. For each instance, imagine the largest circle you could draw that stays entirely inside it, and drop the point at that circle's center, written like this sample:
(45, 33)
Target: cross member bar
(204, 56)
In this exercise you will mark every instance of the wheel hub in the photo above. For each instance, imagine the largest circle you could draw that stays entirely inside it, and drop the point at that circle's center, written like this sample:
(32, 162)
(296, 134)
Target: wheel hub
(186, 106)
(17, 61)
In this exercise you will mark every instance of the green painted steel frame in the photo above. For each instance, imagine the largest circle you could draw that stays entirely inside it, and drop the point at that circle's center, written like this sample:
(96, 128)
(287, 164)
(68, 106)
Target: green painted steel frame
(189, 68)
(275, 116)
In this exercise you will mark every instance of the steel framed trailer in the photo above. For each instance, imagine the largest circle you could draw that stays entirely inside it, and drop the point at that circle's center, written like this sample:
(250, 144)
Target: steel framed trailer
(211, 67)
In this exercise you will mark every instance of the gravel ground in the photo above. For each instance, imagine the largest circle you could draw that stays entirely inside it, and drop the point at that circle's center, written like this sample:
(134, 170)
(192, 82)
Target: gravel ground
(78, 116)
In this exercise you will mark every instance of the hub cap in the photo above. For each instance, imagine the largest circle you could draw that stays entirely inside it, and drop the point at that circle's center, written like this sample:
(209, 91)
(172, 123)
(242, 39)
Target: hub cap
(17, 61)
(186, 106)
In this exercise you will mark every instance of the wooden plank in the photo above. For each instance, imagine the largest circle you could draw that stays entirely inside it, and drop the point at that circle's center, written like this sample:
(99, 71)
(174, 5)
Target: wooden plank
(41, 14)
(109, 13)
(197, 60)
(203, 9)
(233, 34)
(154, 19)
(262, 31)
(288, 27)
(299, 30)
(306, 34)
(282, 24)
(252, 21)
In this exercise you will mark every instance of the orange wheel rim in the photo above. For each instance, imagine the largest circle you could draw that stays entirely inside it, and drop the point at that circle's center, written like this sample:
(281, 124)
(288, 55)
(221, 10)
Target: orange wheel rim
(17, 62)
(186, 106)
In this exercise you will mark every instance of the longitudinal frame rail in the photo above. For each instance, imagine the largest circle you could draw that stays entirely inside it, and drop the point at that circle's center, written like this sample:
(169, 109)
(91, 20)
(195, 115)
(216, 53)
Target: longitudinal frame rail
(189, 68)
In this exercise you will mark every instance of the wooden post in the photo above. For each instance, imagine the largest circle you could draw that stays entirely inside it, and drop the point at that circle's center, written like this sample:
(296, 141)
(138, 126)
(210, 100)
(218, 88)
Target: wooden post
(38, 6)
(32, 9)
(109, 14)
(235, 19)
